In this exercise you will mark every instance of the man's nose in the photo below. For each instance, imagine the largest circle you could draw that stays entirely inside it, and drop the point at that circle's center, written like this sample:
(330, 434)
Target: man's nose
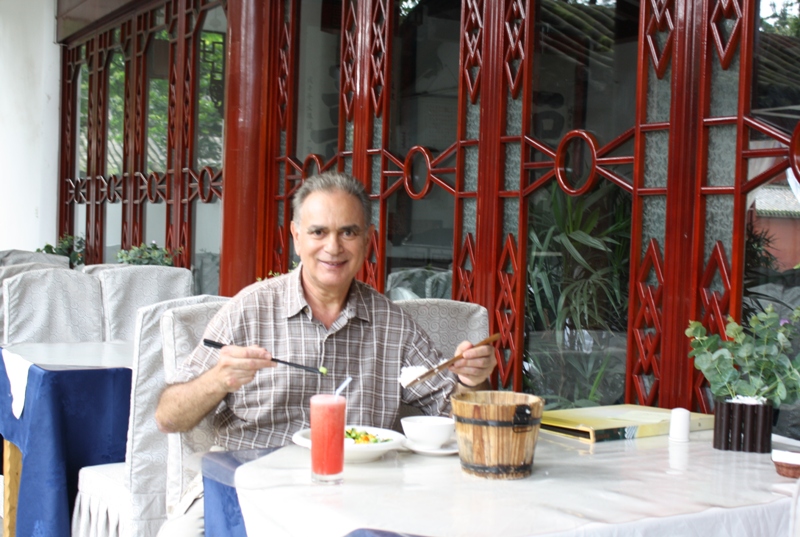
(334, 243)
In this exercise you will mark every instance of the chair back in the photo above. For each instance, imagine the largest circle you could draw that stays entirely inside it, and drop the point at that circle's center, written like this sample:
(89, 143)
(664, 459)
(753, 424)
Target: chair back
(440, 285)
(146, 451)
(128, 288)
(181, 330)
(97, 267)
(448, 322)
(408, 283)
(18, 257)
(7, 271)
(52, 305)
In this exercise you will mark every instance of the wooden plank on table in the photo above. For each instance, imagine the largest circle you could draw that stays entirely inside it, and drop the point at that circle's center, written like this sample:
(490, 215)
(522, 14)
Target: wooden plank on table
(12, 467)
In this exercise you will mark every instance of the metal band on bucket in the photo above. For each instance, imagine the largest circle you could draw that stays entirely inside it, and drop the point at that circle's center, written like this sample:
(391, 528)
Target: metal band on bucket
(522, 421)
(495, 423)
(503, 469)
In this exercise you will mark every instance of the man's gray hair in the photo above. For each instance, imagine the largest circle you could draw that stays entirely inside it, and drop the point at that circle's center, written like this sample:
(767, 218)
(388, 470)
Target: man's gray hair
(331, 182)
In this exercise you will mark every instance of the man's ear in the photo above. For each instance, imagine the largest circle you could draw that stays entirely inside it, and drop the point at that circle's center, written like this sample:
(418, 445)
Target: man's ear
(293, 229)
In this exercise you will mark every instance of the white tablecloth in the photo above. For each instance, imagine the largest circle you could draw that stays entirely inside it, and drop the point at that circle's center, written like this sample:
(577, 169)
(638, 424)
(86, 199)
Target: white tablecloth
(19, 358)
(650, 487)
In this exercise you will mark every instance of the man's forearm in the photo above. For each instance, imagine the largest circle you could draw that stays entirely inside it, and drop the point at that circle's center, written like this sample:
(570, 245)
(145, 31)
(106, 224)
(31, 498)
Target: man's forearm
(183, 406)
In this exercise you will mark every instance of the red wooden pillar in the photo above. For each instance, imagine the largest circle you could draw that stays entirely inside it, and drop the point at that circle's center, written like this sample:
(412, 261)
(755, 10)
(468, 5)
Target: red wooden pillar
(680, 236)
(242, 172)
(491, 164)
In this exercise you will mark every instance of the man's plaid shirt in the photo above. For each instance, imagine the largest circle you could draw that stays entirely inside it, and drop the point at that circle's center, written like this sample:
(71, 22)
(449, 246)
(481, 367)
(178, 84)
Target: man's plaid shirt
(370, 341)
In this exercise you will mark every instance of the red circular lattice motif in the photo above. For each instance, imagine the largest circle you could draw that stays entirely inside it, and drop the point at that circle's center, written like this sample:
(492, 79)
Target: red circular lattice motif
(794, 152)
(408, 172)
(561, 157)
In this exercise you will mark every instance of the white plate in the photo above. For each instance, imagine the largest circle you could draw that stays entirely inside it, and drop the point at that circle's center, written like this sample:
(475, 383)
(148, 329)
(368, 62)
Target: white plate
(359, 452)
(450, 448)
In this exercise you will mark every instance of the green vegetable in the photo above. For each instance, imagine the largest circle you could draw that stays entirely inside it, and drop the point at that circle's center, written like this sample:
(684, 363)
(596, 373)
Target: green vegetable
(363, 437)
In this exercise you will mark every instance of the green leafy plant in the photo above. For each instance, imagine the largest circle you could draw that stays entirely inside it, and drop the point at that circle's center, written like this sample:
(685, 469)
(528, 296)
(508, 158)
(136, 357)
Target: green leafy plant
(146, 255)
(67, 245)
(578, 260)
(579, 248)
(751, 361)
(760, 267)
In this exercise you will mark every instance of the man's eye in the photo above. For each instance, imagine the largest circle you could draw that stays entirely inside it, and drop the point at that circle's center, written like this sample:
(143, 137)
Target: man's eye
(317, 232)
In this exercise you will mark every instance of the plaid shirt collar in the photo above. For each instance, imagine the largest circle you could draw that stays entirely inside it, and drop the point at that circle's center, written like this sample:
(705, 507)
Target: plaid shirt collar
(356, 305)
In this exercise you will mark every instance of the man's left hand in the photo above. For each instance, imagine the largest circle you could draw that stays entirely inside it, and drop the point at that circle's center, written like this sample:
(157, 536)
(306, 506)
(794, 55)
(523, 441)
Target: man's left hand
(476, 364)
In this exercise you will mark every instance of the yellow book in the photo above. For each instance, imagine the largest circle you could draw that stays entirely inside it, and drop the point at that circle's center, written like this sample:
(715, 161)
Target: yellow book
(616, 422)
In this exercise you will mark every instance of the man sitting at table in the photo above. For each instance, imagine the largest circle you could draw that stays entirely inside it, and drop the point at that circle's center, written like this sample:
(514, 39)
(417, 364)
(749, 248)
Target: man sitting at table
(318, 315)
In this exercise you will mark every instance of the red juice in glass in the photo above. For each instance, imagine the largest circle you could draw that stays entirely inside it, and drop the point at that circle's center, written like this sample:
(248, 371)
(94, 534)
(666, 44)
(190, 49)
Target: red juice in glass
(327, 438)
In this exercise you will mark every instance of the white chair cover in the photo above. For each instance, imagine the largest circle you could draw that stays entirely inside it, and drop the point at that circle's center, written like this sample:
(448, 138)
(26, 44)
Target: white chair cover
(97, 267)
(7, 271)
(448, 323)
(18, 257)
(130, 287)
(52, 306)
(408, 283)
(128, 499)
(182, 329)
(440, 285)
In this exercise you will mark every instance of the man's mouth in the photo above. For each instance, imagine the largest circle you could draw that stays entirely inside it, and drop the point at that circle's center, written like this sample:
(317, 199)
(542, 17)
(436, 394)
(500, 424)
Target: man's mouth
(333, 263)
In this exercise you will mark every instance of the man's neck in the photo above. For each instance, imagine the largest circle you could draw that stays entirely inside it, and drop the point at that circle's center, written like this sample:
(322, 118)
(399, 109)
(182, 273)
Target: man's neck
(325, 306)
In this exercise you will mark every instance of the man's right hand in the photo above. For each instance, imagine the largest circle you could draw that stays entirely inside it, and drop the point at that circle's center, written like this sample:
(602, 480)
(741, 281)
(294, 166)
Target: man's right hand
(182, 406)
(238, 366)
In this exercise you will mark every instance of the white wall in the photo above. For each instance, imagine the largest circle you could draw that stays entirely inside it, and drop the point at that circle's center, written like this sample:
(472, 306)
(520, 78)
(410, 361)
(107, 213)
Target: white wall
(29, 124)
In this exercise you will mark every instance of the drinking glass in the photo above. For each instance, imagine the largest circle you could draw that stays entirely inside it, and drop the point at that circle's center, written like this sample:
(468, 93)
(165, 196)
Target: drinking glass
(327, 438)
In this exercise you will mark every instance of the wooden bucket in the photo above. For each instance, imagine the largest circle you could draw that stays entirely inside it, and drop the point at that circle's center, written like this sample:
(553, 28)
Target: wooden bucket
(497, 432)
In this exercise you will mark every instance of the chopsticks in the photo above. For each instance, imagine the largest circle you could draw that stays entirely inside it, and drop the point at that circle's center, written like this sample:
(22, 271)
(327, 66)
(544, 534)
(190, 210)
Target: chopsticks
(321, 371)
(443, 365)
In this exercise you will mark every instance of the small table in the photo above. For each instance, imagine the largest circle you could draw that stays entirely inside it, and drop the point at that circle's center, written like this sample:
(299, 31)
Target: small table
(648, 486)
(75, 414)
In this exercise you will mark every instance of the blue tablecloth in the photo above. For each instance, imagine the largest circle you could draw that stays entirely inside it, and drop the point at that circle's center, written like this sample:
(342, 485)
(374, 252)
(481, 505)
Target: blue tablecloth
(72, 418)
(223, 517)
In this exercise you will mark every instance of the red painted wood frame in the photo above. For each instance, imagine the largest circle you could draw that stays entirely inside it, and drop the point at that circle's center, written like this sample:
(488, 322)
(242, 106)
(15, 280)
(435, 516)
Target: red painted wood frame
(665, 290)
(180, 184)
(726, 263)
(678, 41)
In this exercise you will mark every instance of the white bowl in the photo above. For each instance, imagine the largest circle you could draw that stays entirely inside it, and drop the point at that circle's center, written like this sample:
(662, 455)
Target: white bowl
(355, 453)
(429, 432)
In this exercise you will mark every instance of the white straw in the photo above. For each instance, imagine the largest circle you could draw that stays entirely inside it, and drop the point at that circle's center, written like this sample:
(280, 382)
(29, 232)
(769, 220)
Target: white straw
(342, 386)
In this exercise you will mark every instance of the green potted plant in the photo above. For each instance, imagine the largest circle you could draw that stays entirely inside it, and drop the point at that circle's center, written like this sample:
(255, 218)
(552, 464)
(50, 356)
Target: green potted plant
(69, 246)
(146, 255)
(749, 373)
(576, 300)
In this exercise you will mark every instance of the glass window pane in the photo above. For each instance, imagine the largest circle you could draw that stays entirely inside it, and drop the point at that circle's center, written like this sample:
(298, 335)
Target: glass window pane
(81, 145)
(579, 247)
(155, 221)
(157, 102)
(776, 79)
(211, 90)
(772, 239)
(585, 74)
(317, 122)
(82, 122)
(207, 217)
(424, 112)
(115, 105)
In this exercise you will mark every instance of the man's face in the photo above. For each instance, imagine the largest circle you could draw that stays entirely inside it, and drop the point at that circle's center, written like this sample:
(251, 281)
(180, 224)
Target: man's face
(331, 240)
